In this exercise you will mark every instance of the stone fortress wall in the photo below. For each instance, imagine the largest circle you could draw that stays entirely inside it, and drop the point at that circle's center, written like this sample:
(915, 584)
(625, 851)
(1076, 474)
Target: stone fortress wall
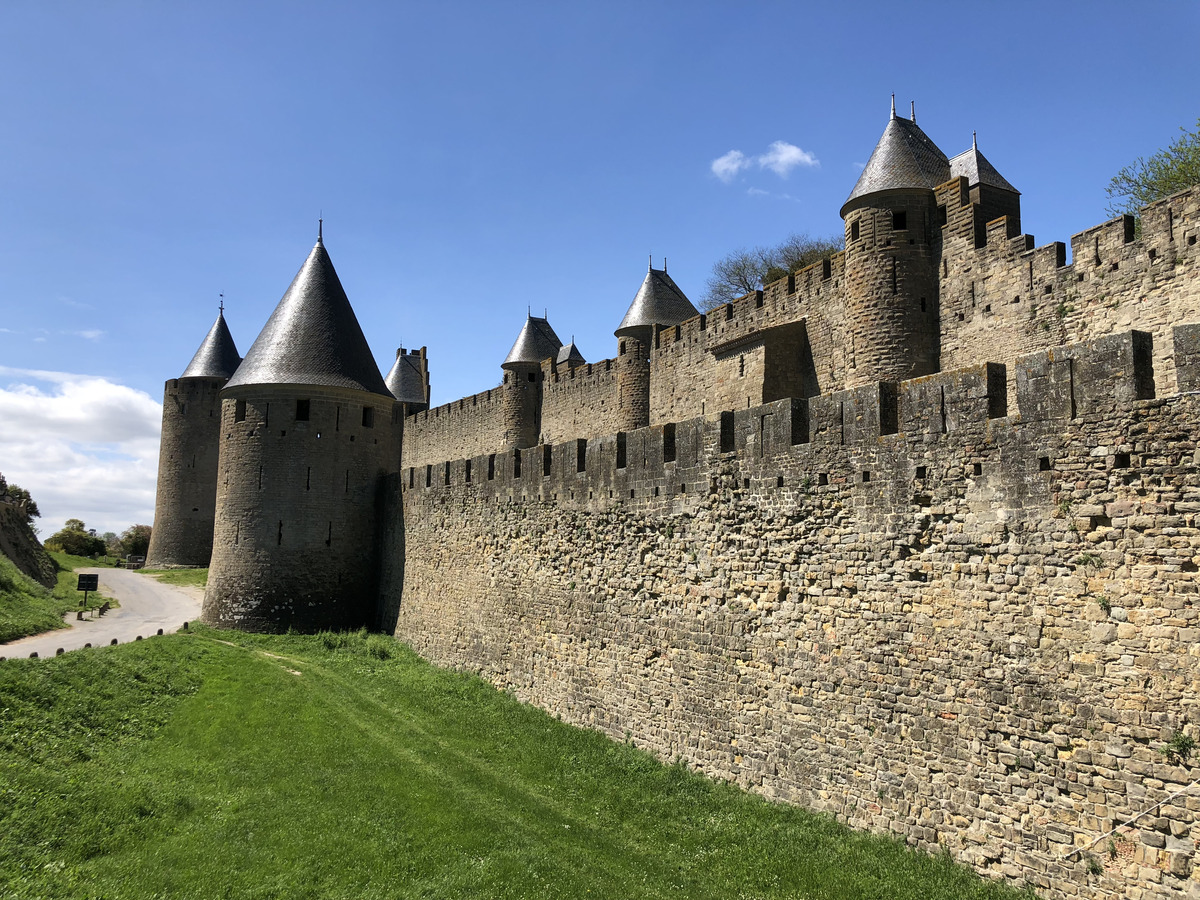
(910, 605)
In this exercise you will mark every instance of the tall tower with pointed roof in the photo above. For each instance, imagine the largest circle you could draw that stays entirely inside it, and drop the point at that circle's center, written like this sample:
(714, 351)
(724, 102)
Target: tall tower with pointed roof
(659, 303)
(892, 240)
(310, 435)
(185, 504)
(522, 387)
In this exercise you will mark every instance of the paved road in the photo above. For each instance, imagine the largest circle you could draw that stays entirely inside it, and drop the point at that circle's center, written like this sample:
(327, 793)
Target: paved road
(146, 606)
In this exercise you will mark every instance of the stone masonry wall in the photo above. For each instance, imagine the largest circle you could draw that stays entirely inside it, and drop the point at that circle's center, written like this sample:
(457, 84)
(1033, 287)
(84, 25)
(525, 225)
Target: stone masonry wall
(1004, 297)
(906, 605)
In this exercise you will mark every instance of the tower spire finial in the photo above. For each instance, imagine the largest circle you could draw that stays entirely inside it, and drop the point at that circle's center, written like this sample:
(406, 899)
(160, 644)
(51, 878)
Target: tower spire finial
(893, 105)
(320, 227)
(974, 142)
(650, 265)
(664, 265)
(221, 304)
(914, 111)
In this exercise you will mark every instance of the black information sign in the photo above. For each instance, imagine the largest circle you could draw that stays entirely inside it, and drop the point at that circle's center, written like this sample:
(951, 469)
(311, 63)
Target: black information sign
(88, 583)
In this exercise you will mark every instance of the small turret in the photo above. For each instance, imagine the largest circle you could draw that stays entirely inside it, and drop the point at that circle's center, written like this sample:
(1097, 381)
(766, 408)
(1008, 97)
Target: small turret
(523, 381)
(569, 356)
(892, 242)
(987, 189)
(185, 502)
(659, 303)
(309, 438)
(408, 380)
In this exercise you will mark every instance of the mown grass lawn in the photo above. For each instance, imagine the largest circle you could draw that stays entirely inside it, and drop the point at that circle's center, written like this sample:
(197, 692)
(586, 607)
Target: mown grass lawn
(218, 765)
(187, 577)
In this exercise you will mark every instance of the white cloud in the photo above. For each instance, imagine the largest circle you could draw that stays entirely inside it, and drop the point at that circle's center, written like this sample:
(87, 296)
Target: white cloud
(92, 334)
(82, 445)
(727, 166)
(757, 192)
(781, 157)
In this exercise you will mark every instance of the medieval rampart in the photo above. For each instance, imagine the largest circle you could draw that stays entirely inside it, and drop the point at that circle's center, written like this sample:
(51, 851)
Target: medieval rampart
(909, 605)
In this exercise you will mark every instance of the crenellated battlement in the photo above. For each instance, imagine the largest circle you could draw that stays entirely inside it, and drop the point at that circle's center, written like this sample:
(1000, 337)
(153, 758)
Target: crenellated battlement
(1084, 381)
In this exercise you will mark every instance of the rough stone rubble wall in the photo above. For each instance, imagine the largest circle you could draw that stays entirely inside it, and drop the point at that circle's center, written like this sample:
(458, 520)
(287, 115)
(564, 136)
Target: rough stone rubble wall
(897, 604)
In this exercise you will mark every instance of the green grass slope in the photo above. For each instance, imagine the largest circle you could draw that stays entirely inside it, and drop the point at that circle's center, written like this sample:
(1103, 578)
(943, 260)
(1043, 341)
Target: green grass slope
(217, 765)
(28, 608)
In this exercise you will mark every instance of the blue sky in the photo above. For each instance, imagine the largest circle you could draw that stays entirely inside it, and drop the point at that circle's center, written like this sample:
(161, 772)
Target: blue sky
(475, 159)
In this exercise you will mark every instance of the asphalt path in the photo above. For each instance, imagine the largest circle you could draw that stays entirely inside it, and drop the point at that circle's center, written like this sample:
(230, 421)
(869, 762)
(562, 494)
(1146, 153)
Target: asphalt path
(146, 606)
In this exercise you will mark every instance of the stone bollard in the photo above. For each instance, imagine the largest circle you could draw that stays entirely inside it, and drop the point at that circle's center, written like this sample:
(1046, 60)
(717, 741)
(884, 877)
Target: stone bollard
(87, 646)
(113, 643)
(59, 652)
(138, 638)
(185, 625)
(160, 632)
(33, 655)
(79, 616)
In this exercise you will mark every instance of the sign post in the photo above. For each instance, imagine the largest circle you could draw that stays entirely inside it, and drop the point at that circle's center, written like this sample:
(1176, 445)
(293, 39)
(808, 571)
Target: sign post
(88, 583)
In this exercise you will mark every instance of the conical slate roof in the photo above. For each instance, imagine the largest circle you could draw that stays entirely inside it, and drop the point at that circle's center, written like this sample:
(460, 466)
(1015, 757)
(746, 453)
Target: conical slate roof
(570, 355)
(659, 301)
(975, 166)
(537, 341)
(217, 356)
(905, 157)
(312, 337)
(405, 379)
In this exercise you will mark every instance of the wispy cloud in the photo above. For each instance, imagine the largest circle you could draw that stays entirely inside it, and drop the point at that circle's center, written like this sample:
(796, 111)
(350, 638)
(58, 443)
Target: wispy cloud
(92, 334)
(780, 158)
(727, 166)
(82, 445)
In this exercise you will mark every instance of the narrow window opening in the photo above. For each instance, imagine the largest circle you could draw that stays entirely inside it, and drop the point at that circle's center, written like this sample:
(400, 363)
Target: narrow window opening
(942, 410)
(745, 484)
(822, 479)
(516, 463)
(412, 474)
(728, 311)
(547, 458)
(779, 481)
(532, 377)
(581, 455)
(266, 414)
(621, 450)
(727, 439)
(941, 215)
(368, 417)
(337, 419)
(656, 492)
(329, 535)
(308, 479)
(922, 471)
(899, 220)
(826, 268)
(977, 469)
(1153, 254)
(893, 274)
(492, 467)
(1121, 461)
(1043, 464)
(346, 486)
(446, 474)
(741, 366)
(301, 410)
(183, 409)
(854, 230)
(279, 535)
(260, 468)
(239, 410)
(683, 489)
(428, 476)
(467, 471)
(922, 304)
(669, 442)
(237, 531)
(866, 476)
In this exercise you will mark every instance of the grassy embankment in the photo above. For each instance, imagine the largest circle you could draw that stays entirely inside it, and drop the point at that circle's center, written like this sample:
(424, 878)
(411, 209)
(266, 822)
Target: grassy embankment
(226, 765)
(28, 608)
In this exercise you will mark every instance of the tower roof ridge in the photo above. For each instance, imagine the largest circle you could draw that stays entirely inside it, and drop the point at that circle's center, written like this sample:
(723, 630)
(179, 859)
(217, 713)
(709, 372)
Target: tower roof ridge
(977, 169)
(659, 301)
(312, 337)
(905, 157)
(537, 341)
(217, 356)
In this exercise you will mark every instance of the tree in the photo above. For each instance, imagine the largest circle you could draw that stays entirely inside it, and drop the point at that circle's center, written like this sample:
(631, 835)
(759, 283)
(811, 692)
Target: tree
(1171, 169)
(744, 271)
(135, 540)
(112, 543)
(75, 539)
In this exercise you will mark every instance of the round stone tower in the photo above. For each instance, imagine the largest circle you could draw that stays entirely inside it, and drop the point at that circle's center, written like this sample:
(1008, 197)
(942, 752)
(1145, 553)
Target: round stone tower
(522, 385)
(659, 303)
(185, 505)
(893, 242)
(309, 435)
